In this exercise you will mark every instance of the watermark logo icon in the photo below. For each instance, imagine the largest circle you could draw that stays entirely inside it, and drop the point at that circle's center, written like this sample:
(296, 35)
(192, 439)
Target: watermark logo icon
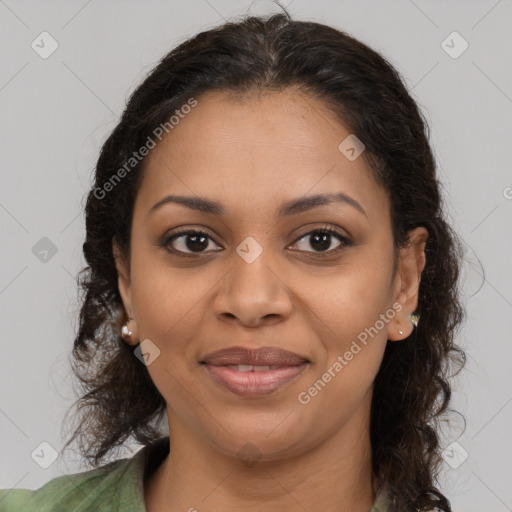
(249, 454)
(351, 147)
(44, 249)
(454, 455)
(249, 249)
(147, 352)
(454, 45)
(44, 455)
(44, 45)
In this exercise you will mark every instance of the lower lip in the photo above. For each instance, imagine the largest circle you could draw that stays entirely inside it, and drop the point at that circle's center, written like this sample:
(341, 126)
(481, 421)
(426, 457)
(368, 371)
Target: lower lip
(254, 384)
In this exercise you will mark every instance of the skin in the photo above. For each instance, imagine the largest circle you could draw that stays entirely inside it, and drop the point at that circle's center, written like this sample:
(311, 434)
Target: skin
(252, 154)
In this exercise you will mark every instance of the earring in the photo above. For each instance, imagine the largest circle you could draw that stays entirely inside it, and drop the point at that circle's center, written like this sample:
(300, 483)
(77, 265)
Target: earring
(400, 332)
(414, 320)
(127, 333)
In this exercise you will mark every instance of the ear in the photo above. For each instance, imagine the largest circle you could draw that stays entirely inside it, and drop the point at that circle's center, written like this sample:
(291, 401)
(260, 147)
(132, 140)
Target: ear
(410, 266)
(123, 279)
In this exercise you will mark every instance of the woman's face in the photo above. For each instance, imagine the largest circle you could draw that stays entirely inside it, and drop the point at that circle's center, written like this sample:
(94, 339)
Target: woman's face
(263, 275)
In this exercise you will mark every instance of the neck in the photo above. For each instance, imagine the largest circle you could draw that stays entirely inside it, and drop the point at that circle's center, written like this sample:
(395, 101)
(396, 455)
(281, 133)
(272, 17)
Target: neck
(335, 475)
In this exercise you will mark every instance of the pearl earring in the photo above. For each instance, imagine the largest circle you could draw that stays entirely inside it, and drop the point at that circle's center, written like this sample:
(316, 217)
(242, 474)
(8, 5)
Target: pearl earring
(125, 332)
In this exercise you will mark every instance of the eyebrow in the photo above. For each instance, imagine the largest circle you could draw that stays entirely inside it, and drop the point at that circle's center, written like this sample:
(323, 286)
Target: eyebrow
(287, 209)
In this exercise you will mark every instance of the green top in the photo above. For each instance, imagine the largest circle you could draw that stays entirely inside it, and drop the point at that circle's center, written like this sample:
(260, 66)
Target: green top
(116, 486)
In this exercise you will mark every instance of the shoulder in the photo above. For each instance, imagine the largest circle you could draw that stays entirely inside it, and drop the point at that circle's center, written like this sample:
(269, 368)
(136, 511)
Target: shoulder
(97, 489)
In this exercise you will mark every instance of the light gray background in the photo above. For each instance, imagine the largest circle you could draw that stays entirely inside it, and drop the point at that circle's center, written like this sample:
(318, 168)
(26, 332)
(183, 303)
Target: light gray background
(56, 112)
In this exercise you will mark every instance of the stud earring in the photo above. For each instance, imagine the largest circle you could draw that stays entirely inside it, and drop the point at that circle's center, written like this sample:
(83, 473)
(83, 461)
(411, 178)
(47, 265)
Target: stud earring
(127, 333)
(400, 332)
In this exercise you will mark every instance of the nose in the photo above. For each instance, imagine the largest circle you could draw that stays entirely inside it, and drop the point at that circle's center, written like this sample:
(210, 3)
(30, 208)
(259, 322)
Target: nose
(253, 294)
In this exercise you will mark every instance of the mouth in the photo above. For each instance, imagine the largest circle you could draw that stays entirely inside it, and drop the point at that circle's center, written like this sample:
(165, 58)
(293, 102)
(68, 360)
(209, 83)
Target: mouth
(254, 373)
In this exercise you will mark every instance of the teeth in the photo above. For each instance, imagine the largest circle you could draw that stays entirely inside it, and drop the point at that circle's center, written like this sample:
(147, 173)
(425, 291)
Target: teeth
(261, 368)
(252, 368)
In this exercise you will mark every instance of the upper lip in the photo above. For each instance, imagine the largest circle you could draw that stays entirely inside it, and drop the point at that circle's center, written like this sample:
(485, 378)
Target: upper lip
(263, 356)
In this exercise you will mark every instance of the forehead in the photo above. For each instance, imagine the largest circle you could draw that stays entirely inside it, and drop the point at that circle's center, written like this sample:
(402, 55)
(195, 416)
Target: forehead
(255, 148)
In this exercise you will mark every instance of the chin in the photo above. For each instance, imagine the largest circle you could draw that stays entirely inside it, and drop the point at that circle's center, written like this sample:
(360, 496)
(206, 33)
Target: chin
(269, 441)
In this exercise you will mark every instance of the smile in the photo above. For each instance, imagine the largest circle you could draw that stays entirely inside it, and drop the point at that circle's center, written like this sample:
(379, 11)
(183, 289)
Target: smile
(254, 380)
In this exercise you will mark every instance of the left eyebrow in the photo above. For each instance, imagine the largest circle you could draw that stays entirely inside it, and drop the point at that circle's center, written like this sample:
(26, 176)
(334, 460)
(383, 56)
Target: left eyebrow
(307, 203)
(287, 209)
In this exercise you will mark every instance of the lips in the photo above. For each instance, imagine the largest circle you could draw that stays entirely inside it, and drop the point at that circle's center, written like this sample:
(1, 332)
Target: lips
(263, 356)
(253, 373)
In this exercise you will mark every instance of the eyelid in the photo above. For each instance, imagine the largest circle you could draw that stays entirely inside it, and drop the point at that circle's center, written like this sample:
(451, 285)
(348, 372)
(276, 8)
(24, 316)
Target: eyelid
(167, 239)
(331, 229)
(326, 228)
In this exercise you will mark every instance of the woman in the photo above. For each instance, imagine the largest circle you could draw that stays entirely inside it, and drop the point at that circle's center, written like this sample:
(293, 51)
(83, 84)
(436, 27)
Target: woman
(271, 276)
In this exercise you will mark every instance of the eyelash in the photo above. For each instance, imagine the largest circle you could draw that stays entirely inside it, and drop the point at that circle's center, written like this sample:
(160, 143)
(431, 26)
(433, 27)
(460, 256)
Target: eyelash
(166, 241)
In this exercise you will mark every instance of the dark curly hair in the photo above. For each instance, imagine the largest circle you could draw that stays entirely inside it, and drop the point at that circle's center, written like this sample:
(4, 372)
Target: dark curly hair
(411, 390)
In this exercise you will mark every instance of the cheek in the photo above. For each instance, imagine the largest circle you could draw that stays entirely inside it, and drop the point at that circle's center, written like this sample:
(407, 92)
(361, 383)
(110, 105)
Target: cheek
(350, 300)
(351, 306)
(167, 300)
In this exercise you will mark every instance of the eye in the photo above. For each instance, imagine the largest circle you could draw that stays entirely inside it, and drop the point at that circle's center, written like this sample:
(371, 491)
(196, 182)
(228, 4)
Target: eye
(321, 239)
(187, 242)
(190, 241)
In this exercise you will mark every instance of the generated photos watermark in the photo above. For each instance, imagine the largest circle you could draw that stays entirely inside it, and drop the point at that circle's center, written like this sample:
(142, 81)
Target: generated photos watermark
(304, 397)
(143, 151)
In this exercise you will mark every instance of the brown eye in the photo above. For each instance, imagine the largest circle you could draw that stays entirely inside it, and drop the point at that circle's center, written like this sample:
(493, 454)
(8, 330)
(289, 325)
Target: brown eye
(188, 242)
(321, 239)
